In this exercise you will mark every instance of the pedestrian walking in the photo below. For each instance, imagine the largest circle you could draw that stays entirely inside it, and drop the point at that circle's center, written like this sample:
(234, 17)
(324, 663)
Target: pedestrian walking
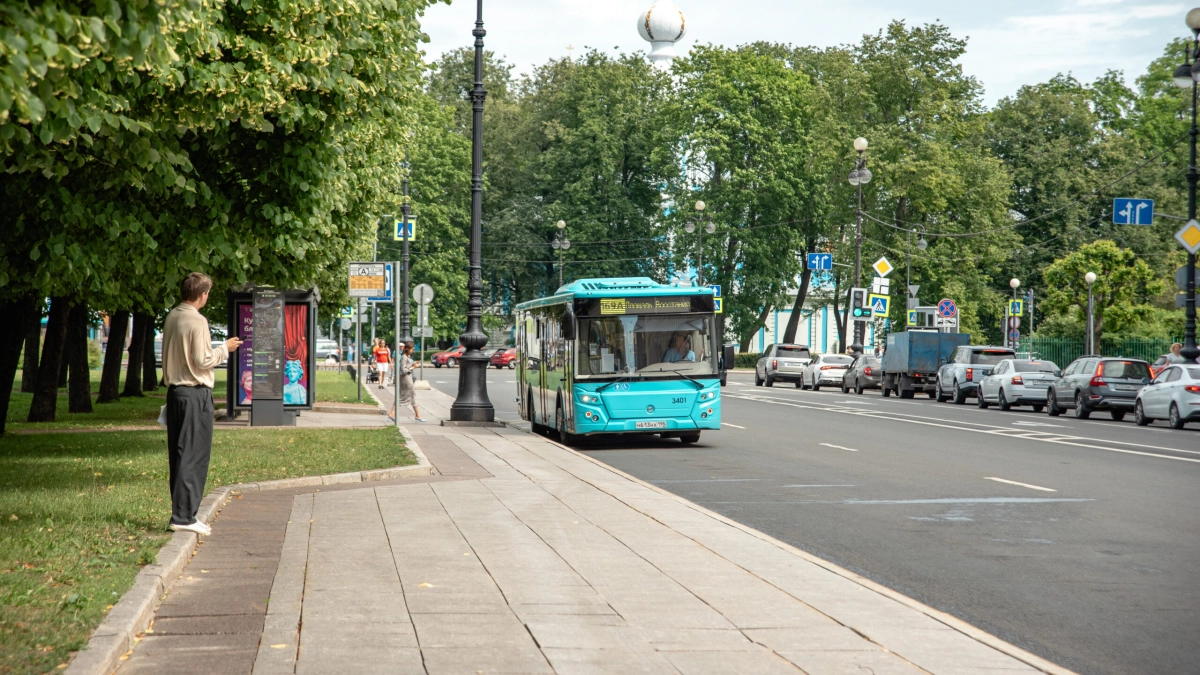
(383, 356)
(406, 395)
(188, 359)
(1175, 355)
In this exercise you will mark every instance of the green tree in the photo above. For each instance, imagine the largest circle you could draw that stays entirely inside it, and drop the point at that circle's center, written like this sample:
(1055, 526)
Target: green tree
(1121, 294)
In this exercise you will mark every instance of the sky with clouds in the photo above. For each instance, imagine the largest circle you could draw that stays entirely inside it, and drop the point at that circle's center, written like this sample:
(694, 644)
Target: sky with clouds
(1010, 43)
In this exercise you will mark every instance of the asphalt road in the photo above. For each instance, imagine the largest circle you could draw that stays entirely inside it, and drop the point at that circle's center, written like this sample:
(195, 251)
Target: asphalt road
(1076, 540)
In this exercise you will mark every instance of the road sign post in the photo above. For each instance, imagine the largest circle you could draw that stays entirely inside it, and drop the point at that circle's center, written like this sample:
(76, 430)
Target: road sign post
(423, 294)
(819, 261)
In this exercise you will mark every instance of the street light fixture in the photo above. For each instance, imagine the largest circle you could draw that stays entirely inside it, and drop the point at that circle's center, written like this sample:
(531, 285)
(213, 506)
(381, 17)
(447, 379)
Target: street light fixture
(1191, 64)
(859, 177)
(472, 404)
(1013, 283)
(560, 244)
(921, 245)
(1090, 278)
(690, 227)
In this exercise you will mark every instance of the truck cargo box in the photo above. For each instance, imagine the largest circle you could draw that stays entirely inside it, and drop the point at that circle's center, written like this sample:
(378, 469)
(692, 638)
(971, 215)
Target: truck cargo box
(915, 351)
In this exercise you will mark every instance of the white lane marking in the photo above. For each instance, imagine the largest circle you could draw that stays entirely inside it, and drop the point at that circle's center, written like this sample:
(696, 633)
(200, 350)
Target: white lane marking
(705, 480)
(808, 486)
(440, 382)
(1041, 424)
(839, 447)
(852, 401)
(735, 426)
(1000, 431)
(1013, 482)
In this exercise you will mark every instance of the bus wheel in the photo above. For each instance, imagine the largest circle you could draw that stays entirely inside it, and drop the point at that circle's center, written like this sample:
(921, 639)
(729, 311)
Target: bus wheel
(560, 423)
(689, 438)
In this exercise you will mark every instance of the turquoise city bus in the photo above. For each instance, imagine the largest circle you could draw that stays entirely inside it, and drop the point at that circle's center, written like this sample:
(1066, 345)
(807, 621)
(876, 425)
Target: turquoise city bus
(620, 356)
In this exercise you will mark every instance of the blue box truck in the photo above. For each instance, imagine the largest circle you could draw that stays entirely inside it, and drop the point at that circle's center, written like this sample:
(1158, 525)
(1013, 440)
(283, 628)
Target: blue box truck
(912, 358)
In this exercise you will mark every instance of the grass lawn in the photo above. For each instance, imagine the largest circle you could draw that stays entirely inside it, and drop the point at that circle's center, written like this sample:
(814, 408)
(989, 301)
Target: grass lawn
(80, 513)
(335, 387)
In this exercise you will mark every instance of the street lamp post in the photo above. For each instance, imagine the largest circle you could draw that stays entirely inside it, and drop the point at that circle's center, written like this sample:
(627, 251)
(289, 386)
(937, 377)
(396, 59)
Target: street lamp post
(921, 246)
(1013, 283)
(859, 177)
(1187, 76)
(693, 226)
(472, 404)
(1090, 278)
(560, 244)
(404, 335)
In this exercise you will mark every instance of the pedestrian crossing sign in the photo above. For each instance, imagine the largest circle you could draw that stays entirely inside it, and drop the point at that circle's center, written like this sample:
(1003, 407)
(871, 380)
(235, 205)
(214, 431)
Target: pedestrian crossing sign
(718, 306)
(879, 304)
(398, 234)
(912, 317)
(1016, 307)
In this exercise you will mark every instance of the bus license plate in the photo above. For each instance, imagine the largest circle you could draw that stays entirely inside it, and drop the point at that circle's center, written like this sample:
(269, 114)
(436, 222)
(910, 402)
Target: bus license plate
(650, 425)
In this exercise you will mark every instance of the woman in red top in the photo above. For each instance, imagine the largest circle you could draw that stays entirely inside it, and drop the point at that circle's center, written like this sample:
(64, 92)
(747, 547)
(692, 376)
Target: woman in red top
(382, 358)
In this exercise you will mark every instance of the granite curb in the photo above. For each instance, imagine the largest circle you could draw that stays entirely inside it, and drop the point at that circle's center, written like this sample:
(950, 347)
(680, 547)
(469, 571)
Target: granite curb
(116, 635)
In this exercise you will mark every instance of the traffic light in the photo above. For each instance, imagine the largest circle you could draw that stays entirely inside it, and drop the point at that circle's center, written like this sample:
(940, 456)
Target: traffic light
(860, 310)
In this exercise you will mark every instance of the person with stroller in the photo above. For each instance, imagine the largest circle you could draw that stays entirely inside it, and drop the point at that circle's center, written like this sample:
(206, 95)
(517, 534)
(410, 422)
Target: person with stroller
(383, 357)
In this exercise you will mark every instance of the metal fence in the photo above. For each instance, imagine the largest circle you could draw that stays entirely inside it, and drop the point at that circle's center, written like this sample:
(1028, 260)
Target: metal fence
(1065, 350)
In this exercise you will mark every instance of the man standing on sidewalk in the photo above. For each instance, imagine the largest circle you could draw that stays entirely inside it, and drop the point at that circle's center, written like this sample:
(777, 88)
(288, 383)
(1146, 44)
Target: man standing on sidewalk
(188, 360)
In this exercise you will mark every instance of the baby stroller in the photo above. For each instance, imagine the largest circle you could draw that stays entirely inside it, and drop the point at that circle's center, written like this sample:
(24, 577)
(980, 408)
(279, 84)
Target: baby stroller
(372, 373)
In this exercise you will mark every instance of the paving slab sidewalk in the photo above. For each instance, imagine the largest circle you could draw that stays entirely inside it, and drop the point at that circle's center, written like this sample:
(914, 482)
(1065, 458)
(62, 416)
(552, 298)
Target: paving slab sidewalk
(523, 556)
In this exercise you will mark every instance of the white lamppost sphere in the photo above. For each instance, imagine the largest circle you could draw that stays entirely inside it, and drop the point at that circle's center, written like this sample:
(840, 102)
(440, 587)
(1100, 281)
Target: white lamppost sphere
(1193, 19)
(1090, 277)
(699, 205)
(561, 224)
(860, 144)
(1013, 283)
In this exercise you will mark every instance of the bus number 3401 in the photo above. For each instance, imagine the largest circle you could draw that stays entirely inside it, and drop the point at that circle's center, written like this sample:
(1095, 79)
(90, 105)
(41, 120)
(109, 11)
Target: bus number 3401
(679, 401)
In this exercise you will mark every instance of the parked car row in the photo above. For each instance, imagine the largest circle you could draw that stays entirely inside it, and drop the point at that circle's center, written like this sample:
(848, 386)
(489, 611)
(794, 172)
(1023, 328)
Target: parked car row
(995, 376)
(1090, 384)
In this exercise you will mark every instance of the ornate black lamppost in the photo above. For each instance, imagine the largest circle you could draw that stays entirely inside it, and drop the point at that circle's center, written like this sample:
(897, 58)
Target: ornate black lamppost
(859, 177)
(560, 244)
(693, 226)
(472, 404)
(405, 334)
(1186, 76)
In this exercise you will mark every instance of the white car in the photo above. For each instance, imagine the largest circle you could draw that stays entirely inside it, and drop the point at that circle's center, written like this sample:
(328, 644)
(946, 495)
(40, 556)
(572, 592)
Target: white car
(826, 369)
(1017, 382)
(1174, 395)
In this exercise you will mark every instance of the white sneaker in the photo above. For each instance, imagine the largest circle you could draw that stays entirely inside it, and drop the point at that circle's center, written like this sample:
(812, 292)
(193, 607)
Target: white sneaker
(197, 527)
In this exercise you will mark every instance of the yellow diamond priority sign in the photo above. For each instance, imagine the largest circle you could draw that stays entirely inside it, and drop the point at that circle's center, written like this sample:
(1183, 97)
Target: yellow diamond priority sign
(1189, 236)
(882, 267)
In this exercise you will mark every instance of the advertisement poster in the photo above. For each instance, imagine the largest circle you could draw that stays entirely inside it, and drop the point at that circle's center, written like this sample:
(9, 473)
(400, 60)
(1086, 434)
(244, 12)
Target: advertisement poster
(295, 326)
(295, 345)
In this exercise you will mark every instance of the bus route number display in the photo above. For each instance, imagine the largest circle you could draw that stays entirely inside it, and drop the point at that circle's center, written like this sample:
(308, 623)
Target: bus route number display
(610, 306)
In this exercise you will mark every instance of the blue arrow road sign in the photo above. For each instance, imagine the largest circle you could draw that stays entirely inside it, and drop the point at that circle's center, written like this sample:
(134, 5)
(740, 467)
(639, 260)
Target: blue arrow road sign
(820, 261)
(716, 289)
(1128, 211)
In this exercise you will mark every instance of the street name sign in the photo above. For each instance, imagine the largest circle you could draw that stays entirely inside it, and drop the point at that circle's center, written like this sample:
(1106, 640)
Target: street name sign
(947, 309)
(879, 304)
(820, 261)
(398, 234)
(882, 267)
(1189, 236)
(368, 279)
(1132, 211)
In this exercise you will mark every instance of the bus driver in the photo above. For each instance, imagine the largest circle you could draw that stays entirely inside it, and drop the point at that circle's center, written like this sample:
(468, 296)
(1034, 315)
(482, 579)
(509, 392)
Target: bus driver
(679, 351)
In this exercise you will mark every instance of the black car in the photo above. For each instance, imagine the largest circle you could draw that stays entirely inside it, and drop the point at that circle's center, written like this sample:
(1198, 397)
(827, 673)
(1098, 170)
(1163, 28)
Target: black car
(864, 373)
(1094, 383)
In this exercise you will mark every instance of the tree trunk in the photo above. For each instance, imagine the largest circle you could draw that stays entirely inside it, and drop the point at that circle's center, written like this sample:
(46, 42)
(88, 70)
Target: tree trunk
(838, 317)
(33, 343)
(45, 399)
(762, 321)
(789, 333)
(133, 372)
(19, 314)
(110, 376)
(149, 360)
(62, 370)
(79, 390)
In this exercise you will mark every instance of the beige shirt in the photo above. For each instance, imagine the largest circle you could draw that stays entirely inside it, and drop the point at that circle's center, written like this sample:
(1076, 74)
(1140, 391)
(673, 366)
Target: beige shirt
(188, 356)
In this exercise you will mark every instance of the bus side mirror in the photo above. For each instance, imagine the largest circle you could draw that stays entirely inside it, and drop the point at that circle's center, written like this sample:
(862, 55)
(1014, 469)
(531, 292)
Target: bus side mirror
(727, 360)
(568, 324)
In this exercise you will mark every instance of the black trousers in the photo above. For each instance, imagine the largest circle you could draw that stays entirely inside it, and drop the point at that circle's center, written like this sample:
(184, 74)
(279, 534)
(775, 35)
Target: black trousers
(189, 445)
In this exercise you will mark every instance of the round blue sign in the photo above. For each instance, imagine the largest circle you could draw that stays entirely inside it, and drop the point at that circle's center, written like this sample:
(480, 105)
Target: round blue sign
(947, 309)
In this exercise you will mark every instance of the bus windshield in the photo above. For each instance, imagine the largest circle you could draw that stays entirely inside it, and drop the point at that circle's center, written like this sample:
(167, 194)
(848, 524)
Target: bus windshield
(657, 345)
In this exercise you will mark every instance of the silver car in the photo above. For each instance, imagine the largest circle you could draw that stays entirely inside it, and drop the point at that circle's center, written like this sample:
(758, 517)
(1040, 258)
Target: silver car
(1017, 382)
(1174, 395)
(781, 363)
(826, 369)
